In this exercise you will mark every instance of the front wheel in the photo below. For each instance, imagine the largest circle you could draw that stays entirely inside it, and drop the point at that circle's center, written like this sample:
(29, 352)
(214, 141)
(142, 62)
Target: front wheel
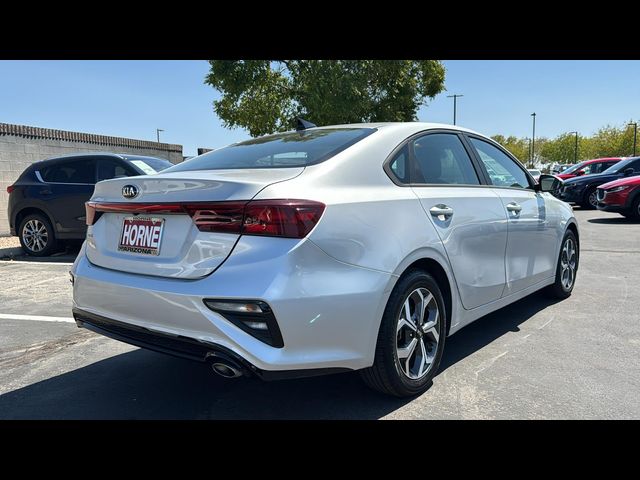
(411, 338)
(567, 267)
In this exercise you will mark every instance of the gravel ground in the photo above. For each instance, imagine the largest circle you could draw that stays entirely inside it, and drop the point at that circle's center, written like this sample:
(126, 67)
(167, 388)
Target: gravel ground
(9, 242)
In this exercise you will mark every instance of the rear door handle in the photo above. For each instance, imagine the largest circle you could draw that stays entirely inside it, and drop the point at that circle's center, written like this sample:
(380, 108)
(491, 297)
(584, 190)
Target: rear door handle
(45, 191)
(514, 207)
(441, 211)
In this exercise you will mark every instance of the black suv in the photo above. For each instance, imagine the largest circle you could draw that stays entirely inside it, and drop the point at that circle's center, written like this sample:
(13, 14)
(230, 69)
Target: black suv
(46, 203)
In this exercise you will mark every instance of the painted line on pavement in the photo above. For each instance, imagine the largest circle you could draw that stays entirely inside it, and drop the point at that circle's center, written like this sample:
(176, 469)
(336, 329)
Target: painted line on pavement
(36, 318)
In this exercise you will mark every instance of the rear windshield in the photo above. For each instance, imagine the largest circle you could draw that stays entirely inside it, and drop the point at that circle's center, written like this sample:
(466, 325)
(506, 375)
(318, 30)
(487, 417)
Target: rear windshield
(293, 149)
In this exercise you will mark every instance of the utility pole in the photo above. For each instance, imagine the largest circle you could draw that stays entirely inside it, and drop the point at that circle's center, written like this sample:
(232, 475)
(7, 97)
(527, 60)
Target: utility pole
(455, 98)
(635, 135)
(158, 130)
(533, 139)
(575, 153)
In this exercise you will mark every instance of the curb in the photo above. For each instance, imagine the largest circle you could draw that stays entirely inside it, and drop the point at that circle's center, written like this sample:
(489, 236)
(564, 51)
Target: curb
(11, 252)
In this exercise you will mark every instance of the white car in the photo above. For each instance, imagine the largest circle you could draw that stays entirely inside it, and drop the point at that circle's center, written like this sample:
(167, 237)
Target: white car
(350, 247)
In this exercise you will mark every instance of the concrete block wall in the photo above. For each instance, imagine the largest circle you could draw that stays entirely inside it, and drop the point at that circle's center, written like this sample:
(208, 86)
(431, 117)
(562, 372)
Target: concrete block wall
(21, 145)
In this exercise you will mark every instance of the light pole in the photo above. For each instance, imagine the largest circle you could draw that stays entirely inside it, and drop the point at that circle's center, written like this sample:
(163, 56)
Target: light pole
(575, 153)
(455, 98)
(635, 135)
(533, 139)
(158, 130)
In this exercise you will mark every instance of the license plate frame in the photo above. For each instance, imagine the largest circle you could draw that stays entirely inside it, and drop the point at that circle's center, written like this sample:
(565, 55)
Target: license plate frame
(147, 243)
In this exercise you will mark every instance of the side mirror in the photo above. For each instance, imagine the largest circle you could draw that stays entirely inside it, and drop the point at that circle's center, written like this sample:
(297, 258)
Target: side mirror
(548, 183)
(579, 173)
(628, 172)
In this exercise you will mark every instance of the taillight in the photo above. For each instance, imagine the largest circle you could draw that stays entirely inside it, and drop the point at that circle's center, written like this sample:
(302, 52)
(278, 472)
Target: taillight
(272, 218)
(223, 217)
(281, 218)
(10, 188)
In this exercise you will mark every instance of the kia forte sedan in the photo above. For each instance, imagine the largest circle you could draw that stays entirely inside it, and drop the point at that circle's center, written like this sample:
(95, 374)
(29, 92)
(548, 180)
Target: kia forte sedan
(350, 247)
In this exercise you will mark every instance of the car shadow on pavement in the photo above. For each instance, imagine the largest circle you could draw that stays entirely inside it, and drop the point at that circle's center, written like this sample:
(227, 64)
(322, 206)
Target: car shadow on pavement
(66, 255)
(145, 385)
(613, 220)
(487, 329)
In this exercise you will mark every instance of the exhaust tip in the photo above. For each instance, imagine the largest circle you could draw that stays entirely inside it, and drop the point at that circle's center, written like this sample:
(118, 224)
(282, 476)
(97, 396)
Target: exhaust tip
(226, 370)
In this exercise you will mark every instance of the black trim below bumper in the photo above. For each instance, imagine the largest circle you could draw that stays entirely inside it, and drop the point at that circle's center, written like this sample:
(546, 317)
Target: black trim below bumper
(612, 208)
(183, 347)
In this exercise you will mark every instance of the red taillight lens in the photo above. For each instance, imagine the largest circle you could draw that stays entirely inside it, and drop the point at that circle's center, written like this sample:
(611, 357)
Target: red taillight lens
(10, 188)
(281, 218)
(272, 218)
(224, 217)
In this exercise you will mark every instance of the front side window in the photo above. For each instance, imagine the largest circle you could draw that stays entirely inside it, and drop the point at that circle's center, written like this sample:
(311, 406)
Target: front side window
(73, 171)
(588, 169)
(292, 149)
(440, 158)
(503, 171)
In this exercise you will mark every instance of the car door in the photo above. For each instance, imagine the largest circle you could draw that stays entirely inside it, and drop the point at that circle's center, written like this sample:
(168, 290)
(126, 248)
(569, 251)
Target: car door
(70, 184)
(533, 241)
(468, 216)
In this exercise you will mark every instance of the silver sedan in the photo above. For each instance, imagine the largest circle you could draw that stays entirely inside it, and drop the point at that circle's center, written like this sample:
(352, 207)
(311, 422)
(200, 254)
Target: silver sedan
(349, 247)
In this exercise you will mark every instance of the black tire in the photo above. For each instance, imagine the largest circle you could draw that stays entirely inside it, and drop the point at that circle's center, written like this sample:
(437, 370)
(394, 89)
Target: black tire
(589, 195)
(634, 213)
(32, 248)
(386, 374)
(558, 289)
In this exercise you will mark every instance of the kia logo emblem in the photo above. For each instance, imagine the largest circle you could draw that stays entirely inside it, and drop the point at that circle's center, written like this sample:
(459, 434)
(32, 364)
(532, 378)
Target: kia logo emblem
(130, 191)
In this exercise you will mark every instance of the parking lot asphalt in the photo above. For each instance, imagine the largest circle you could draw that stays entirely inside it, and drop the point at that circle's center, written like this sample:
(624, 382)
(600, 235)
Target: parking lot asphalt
(534, 359)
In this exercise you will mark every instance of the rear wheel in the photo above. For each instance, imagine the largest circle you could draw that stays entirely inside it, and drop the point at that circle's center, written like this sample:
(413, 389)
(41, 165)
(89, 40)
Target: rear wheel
(567, 267)
(36, 235)
(411, 338)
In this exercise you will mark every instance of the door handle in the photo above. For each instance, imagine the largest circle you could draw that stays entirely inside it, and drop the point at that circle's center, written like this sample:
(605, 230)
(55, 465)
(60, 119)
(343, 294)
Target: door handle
(514, 207)
(441, 211)
(45, 191)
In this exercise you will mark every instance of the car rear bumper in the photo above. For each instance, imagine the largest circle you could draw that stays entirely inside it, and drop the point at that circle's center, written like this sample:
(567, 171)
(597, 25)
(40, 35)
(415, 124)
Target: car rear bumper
(328, 312)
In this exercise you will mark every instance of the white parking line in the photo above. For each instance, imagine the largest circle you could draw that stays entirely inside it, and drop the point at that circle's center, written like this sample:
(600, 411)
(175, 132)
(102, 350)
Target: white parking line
(11, 262)
(37, 318)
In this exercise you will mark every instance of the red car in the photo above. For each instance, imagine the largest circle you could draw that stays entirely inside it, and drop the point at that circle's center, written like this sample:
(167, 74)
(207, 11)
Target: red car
(621, 196)
(588, 167)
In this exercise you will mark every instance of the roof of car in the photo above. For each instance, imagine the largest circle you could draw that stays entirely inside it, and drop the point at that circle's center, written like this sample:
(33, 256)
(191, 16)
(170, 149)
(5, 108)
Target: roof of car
(417, 126)
(123, 156)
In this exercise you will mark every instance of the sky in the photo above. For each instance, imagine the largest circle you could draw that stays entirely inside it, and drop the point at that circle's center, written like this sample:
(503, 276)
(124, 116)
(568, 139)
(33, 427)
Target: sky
(134, 98)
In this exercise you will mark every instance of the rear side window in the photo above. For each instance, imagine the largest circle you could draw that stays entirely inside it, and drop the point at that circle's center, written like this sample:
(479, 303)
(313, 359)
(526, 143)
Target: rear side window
(73, 171)
(109, 168)
(399, 166)
(441, 158)
(293, 149)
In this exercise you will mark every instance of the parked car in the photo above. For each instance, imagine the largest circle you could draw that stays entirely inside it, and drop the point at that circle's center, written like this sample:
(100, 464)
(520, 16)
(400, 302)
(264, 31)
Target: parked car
(588, 167)
(329, 249)
(621, 196)
(46, 203)
(582, 190)
(559, 168)
(534, 173)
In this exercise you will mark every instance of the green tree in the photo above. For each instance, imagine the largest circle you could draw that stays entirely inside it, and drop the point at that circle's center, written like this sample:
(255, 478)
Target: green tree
(519, 147)
(264, 96)
(561, 149)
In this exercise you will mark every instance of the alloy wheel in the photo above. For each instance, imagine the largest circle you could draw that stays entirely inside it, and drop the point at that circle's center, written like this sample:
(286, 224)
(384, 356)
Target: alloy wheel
(417, 334)
(593, 199)
(568, 264)
(35, 235)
